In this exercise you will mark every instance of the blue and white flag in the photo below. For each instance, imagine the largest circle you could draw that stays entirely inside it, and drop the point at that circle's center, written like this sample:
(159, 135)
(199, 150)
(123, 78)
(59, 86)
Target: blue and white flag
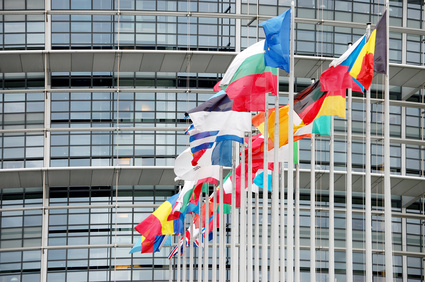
(215, 126)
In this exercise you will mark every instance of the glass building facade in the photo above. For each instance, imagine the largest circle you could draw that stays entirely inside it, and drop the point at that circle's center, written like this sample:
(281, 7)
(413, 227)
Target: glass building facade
(92, 101)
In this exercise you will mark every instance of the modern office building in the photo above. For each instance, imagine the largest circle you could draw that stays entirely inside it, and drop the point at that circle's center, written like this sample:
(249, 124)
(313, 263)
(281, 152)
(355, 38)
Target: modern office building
(92, 102)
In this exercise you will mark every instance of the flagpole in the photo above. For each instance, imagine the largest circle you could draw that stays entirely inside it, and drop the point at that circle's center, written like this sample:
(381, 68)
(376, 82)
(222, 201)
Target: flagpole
(265, 225)
(282, 222)
(234, 224)
(249, 225)
(200, 238)
(221, 245)
(332, 203)
(297, 274)
(313, 207)
(179, 248)
(207, 237)
(242, 240)
(214, 230)
(290, 219)
(274, 250)
(387, 160)
(257, 236)
(191, 249)
(349, 194)
(368, 191)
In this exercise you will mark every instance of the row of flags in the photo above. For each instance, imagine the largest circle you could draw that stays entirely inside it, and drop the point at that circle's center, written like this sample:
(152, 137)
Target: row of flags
(227, 116)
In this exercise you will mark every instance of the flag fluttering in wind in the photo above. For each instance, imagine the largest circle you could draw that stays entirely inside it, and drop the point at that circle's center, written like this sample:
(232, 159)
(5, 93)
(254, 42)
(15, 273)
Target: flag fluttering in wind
(337, 76)
(312, 103)
(144, 245)
(215, 126)
(277, 43)
(157, 223)
(247, 79)
(374, 52)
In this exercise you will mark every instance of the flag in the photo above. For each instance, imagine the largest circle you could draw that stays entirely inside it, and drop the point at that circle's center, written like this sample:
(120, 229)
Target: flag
(258, 121)
(363, 67)
(380, 56)
(157, 223)
(277, 43)
(247, 79)
(215, 126)
(216, 114)
(144, 245)
(337, 76)
(204, 169)
(312, 103)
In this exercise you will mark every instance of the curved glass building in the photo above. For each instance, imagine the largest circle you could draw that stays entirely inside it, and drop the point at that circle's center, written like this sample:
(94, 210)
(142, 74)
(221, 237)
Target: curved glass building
(92, 102)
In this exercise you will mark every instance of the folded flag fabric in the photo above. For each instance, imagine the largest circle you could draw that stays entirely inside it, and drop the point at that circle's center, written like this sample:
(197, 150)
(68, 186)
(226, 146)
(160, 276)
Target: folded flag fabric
(144, 245)
(337, 76)
(374, 51)
(157, 223)
(185, 170)
(277, 43)
(312, 103)
(248, 79)
(215, 126)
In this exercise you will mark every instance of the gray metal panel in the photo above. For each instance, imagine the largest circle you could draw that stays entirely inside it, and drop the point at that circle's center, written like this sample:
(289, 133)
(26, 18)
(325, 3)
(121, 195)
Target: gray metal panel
(309, 67)
(358, 183)
(152, 62)
(32, 178)
(80, 177)
(131, 62)
(58, 178)
(167, 177)
(103, 177)
(174, 62)
(220, 63)
(417, 80)
(60, 62)
(200, 62)
(129, 176)
(403, 75)
(33, 62)
(103, 61)
(150, 177)
(10, 63)
(10, 179)
(82, 62)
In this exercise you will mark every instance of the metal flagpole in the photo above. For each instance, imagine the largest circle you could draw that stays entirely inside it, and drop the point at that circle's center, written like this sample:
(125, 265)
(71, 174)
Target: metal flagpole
(332, 204)
(214, 230)
(207, 237)
(265, 225)
(185, 251)
(290, 215)
(368, 188)
(249, 211)
(297, 274)
(200, 238)
(313, 209)
(234, 223)
(282, 222)
(242, 240)
(348, 196)
(191, 258)
(222, 242)
(274, 250)
(387, 159)
(257, 238)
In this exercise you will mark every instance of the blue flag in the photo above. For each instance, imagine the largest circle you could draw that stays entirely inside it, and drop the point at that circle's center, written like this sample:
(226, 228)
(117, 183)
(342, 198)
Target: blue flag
(277, 44)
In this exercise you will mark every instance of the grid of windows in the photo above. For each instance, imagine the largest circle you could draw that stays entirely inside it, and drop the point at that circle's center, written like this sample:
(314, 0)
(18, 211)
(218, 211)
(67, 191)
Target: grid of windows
(83, 223)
